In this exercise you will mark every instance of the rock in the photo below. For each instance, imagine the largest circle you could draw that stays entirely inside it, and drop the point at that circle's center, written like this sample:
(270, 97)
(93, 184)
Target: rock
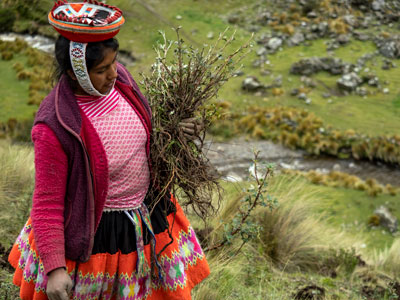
(360, 36)
(343, 39)
(310, 36)
(262, 51)
(258, 62)
(390, 48)
(274, 43)
(263, 39)
(296, 39)
(238, 73)
(312, 65)
(359, 2)
(307, 66)
(302, 96)
(308, 5)
(311, 292)
(334, 66)
(373, 81)
(388, 64)
(326, 95)
(309, 82)
(312, 15)
(277, 81)
(323, 27)
(361, 91)
(234, 18)
(264, 18)
(386, 219)
(251, 84)
(294, 92)
(378, 5)
(349, 82)
(350, 20)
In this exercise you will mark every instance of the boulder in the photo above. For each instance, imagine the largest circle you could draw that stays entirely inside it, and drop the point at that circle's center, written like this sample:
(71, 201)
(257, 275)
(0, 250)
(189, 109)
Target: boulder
(323, 27)
(312, 15)
(349, 82)
(343, 39)
(296, 39)
(361, 36)
(251, 84)
(234, 18)
(308, 66)
(373, 81)
(274, 43)
(378, 5)
(386, 219)
(264, 17)
(389, 48)
(262, 51)
(350, 20)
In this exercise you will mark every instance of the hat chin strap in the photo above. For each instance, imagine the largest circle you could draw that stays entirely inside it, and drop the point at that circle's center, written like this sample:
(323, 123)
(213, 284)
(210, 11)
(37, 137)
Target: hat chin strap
(77, 53)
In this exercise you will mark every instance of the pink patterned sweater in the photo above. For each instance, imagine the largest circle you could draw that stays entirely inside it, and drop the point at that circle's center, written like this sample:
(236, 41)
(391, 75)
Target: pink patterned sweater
(124, 140)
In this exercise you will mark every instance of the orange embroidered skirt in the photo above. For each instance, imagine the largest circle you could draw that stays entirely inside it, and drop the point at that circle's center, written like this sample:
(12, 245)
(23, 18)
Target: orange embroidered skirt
(113, 274)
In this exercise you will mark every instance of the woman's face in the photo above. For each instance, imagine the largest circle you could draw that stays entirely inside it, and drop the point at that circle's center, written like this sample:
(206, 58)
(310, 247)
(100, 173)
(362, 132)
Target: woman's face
(104, 74)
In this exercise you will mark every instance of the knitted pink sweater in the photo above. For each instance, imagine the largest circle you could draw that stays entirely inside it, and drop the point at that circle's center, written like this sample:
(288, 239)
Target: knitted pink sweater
(124, 139)
(129, 172)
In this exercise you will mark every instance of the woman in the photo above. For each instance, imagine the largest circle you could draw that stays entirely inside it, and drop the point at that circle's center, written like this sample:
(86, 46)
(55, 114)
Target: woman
(90, 235)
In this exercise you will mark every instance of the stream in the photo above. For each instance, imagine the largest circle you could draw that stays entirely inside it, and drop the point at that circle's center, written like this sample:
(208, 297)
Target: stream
(232, 159)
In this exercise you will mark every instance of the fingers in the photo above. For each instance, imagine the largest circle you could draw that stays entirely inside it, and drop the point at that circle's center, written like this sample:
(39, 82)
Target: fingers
(187, 125)
(191, 128)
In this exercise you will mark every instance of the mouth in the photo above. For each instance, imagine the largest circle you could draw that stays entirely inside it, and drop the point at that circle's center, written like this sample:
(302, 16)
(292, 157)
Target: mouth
(110, 85)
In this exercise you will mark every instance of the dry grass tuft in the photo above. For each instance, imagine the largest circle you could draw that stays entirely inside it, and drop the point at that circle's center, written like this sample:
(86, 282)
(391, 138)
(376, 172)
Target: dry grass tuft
(16, 185)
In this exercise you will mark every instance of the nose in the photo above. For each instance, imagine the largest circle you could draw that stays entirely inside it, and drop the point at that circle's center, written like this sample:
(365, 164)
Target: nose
(112, 74)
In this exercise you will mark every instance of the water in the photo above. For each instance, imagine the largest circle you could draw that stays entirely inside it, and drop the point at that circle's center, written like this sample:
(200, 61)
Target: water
(233, 159)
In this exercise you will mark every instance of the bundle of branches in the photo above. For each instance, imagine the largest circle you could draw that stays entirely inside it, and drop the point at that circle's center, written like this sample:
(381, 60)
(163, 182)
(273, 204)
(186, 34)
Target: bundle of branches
(181, 85)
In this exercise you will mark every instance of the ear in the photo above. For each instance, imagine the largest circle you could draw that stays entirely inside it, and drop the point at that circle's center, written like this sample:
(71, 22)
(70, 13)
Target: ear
(71, 74)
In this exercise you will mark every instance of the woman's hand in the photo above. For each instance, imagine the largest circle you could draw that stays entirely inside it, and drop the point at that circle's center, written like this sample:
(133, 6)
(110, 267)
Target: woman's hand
(59, 285)
(191, 128)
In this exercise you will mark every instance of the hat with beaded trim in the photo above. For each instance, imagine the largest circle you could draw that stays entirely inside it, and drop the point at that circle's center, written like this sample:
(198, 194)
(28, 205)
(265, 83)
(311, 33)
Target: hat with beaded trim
(82, 23)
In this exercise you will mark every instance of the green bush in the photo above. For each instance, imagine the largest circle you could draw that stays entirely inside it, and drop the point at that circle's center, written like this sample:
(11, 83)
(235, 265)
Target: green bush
(7, 19)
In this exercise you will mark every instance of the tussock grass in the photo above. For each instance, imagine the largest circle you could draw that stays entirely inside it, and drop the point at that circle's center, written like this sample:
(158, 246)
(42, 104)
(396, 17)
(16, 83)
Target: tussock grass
(292, 241)
(16, 186)
(389, 259)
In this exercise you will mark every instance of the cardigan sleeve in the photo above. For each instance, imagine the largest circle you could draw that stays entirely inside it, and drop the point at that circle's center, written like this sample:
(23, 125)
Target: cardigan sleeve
(51, 167)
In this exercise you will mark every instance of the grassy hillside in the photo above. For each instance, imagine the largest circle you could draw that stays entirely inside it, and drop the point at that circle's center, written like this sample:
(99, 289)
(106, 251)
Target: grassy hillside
(299, 245)
(319, 240)
(202, 21)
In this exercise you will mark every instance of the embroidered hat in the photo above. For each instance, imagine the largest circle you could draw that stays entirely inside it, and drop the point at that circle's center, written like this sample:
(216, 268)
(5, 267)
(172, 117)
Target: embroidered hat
(88, 21)
(82, 23)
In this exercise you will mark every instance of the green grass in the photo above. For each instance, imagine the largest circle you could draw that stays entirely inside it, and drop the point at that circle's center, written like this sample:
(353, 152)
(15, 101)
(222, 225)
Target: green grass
(375, 115)
(13, 101)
